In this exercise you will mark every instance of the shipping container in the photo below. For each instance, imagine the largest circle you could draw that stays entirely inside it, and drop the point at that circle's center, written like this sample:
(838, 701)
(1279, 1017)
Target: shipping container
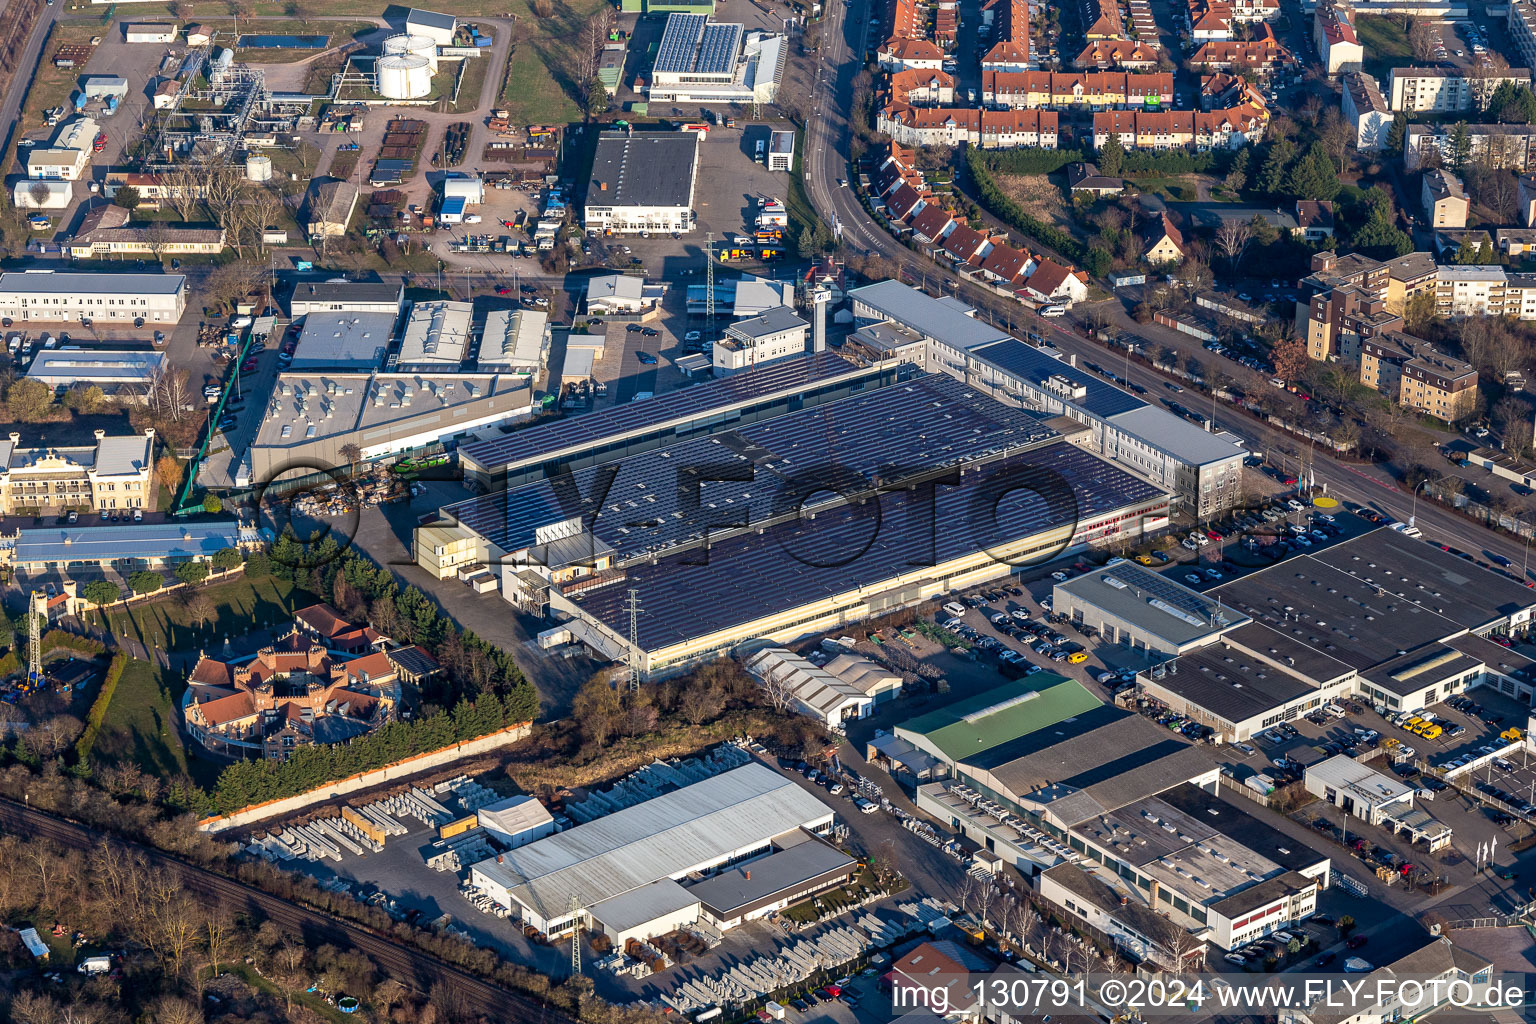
(459, 827)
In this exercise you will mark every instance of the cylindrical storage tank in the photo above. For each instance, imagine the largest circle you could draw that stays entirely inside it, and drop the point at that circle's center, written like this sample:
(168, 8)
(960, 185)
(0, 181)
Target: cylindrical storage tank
(423, 46)
(404, 78)
(258, 167)
(397, 46)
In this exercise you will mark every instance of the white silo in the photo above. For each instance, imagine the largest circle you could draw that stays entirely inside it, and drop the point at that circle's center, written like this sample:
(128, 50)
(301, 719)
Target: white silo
(403, 45)
(404, 77)
(258, 167)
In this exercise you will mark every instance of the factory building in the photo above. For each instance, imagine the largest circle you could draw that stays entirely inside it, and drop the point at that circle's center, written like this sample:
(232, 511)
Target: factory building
(39, 296)
(515, 341)
(1202, 469)
(313, 415)
(772, 334)
(846, 688)
(707, 62)
(516, 821)
(436, 337)
(349, 341)
(1384, 617)
(707, 408)
(725, 850)
(124, 374)
(126, 547)
(642, 183)
(776, 571)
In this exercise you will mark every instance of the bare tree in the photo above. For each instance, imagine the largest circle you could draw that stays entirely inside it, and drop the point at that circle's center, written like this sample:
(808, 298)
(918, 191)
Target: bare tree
(968, 891)
(986, 893)
(778, 692)
(183, 187)
(37, 192)
(1233, 238)
(1422, 38)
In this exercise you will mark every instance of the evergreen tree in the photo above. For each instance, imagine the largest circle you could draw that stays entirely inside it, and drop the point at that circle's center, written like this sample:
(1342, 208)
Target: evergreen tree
(1313, 176)
(1237, 174)
(1397, 133)
(1485, 256)
(1276, 163)
(1466, 253)
(1111, 156)
(1461, 146)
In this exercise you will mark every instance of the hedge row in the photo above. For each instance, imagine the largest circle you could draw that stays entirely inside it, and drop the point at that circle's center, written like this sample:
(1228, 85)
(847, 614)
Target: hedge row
(98, 712)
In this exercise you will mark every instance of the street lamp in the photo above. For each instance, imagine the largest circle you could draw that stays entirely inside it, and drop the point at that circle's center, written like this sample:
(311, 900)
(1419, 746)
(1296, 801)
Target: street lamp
(1415, 510)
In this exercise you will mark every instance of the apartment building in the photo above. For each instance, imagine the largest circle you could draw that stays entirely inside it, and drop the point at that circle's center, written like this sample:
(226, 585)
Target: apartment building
(114, 473)
(1469, 291)
(1444, 198)
(1341, 319)
(1408, 276)
(989, 129)
(1334, 35)
(1366, 109)
(1095, 90)
(1181, 129)
(1261, 56)
(1448, 90)
(1522, 29)
(1415, 374)
(1499, 146)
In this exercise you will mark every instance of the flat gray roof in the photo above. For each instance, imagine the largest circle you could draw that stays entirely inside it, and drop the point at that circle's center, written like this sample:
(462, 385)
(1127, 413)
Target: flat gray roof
(1176, 436)
(933, 318)
(1230, 683)
(770, 321)
(348, 341)
(644, 169)
(54, 282)
(126, 541)
(742, 885)
(1153, 602)
(106, 366)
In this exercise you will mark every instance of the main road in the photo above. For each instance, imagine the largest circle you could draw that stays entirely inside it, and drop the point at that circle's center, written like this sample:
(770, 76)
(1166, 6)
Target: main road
(828, 139)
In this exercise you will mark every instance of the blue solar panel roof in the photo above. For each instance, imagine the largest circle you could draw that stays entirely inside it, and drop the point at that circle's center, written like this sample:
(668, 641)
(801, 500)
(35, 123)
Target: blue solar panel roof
(693, 594)
(1034, 365)
(691, 44)
(674, 495)
(785, 375)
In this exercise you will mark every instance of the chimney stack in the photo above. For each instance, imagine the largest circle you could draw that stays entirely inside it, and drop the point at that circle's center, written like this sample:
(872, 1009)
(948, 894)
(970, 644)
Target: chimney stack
(820, 297)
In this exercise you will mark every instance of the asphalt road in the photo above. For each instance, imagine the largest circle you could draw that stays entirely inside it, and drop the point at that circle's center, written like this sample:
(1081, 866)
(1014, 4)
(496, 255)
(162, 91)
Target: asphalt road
(26, 69)
(829, 131)
(411, 968)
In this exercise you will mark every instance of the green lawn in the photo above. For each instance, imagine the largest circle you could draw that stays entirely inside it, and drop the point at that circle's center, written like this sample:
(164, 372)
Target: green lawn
(140, 724)
(475, 70)
(1385, 41)
(542, 69)
(243, 605)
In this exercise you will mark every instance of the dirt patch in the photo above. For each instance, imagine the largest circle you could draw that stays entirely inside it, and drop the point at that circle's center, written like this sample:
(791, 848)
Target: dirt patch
(1037, 196)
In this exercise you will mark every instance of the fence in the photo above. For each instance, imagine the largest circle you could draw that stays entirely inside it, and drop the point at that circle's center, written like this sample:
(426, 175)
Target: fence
(389, 773)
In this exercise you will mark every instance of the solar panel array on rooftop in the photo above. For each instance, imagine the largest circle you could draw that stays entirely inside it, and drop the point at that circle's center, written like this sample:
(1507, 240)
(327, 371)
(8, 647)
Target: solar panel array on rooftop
(1034, 365)
(536, 442)
(692, 44)
(747, 476)
(695, 593)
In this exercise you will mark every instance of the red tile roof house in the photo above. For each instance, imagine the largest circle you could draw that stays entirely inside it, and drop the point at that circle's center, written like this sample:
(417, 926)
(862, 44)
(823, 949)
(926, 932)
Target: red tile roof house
(294, 692)
(1052, 282)
(939, 975)
(931, 223)
(323, 623)
(965, 244)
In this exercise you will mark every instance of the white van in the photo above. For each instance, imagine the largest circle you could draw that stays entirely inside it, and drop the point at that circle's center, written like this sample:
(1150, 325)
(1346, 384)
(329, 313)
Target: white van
(1054, 311)
(955, 608)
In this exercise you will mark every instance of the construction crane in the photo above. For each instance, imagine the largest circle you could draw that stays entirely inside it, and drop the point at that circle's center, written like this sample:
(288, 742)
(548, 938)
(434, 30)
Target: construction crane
(36, 619)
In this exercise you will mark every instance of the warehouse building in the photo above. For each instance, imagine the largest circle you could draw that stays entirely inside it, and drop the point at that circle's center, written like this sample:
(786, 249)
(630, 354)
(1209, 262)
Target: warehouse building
(29, 194)
(711, 407)
(515, 341)
(516, 821)
(125, 374)
(809, 574)
(1203, 470)
(67, 156)
(1143, 610)
(436, 337)
(1382, 616)
(39, 296)
(126, 547)
(844, 689)
(343, 341)
(313, 415)
(642, 183)
(631, 874)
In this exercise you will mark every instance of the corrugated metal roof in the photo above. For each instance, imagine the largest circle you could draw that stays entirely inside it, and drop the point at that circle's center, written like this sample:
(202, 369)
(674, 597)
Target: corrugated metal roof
(656, 839)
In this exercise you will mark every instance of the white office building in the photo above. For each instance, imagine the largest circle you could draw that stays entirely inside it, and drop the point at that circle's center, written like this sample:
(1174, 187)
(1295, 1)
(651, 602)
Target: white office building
(46, 295)
(707, 62)
(772, 334)
(642, 183)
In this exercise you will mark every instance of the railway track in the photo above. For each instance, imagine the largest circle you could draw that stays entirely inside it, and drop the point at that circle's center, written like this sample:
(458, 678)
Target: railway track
(412, 968)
